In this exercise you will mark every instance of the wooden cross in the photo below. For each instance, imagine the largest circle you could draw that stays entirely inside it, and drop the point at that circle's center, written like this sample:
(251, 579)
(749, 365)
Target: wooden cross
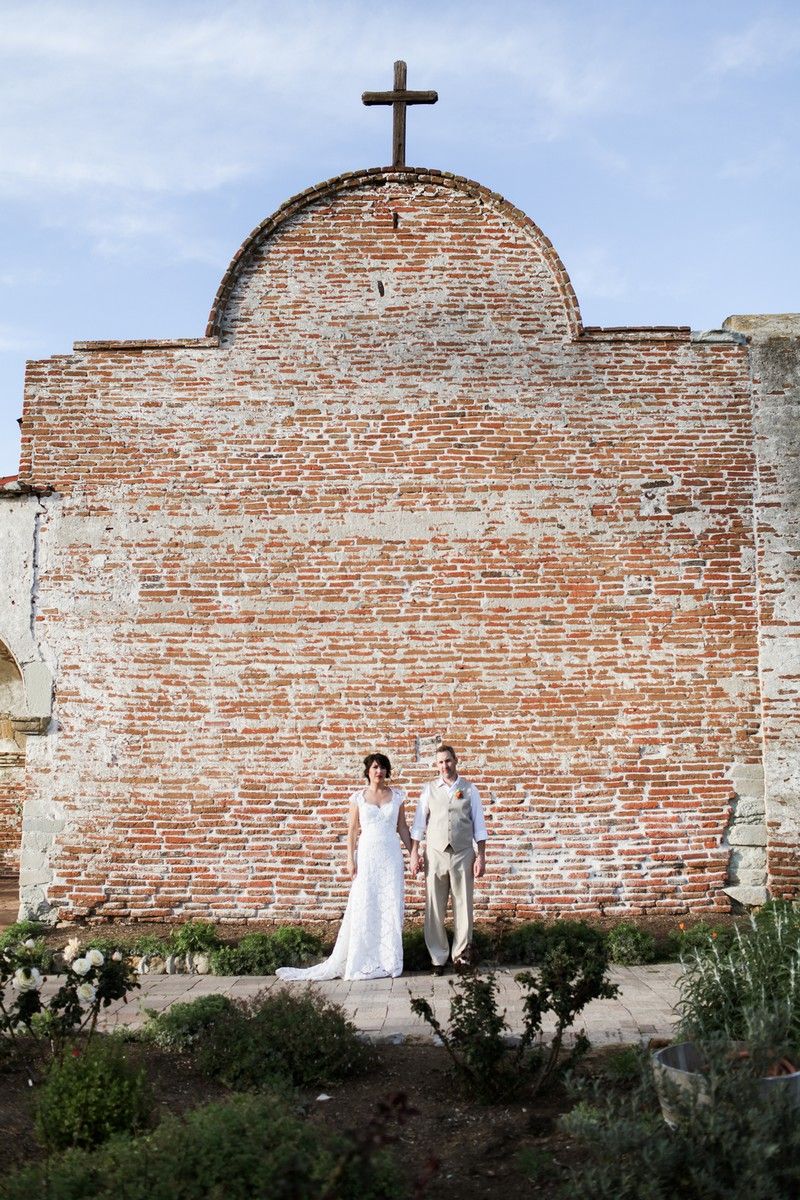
(399, 99)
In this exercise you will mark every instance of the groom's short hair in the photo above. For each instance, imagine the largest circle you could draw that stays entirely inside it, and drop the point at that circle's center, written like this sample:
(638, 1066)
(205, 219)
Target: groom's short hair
(444, 749)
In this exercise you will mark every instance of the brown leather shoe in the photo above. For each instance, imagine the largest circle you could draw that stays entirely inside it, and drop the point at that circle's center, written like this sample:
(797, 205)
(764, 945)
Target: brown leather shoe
(438, 969)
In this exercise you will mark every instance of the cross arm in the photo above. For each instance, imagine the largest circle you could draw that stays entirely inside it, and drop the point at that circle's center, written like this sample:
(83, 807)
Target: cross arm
(401, 97)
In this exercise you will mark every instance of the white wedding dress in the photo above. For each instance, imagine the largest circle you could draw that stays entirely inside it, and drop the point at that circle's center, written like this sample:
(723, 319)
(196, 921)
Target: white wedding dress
(370, 941)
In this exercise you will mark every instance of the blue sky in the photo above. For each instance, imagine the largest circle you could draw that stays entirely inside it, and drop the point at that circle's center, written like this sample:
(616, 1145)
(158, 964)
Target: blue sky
(655, 144)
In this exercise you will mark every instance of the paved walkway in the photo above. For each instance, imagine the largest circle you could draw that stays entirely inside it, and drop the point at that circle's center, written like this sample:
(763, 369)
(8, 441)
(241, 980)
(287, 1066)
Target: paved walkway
(644, 1008)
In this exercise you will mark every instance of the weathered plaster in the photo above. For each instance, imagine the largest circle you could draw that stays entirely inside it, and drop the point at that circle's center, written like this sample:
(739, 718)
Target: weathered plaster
(19, 535)
(31, 704)
(775, 372)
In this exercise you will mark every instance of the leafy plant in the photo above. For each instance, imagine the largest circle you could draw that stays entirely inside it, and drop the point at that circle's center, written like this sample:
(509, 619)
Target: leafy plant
(475, 1040)
(726, 992)
(630, 945)
(151, 944)
(245, 1147)
(89, 1094)
(741, 1145)
(529, 942)
(415, 952)
(699, 936)
(623, 1066)
(262, 953)
(182, 1025)
(293, 1036)
(20, 931)
(537, 1165)
(194, 937)
(28, 935)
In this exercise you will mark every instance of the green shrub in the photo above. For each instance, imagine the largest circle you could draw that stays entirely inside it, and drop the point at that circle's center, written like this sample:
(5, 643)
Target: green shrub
(621, 1067)
(730, 992)
(182, 1025)
(89, 1094)
(700, 937)
(527, 944)
(567, 980)
(38, 955)
(483, 945)
(415, 952)
(247, 1147)
(106, 945)
(741, 1146)
(294, 1036)
(262, 953)
(629, 945)
(21, 931)
(150, 944)
(194, 937)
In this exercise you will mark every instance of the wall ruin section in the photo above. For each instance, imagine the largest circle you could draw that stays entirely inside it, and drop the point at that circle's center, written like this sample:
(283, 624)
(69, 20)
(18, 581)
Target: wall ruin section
(396, 493)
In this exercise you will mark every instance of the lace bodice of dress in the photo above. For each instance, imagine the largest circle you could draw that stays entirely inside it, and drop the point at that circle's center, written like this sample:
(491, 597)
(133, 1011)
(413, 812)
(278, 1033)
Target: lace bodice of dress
(379, 819)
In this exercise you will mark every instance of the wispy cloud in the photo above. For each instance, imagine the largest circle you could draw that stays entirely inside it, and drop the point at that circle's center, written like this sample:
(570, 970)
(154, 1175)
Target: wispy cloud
(115, 115)
(768, 43)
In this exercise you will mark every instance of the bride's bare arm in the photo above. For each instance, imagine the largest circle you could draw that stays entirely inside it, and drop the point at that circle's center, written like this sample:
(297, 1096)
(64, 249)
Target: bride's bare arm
(402, 828)
(353, 825)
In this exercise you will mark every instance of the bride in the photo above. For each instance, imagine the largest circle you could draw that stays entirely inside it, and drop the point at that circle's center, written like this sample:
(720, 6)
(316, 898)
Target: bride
(370, 941)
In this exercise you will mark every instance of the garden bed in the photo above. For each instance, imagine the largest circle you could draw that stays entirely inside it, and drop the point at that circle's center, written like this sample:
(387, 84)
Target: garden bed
(481, 1149)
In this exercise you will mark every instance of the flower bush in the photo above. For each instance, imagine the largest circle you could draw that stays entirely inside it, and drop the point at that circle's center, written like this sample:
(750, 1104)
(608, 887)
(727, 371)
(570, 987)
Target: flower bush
(91, 980)
(699, 936)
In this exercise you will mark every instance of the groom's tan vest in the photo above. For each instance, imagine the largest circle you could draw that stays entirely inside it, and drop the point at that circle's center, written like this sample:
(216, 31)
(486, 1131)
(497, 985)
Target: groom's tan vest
(449, 818)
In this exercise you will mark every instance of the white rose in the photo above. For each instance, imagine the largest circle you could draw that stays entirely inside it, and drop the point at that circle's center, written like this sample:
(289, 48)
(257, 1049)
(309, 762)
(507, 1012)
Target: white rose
(30, 944)
(95, 958)
(71, 949)
(117, 956)
(27, 979)
(81, 966)
(86, 992)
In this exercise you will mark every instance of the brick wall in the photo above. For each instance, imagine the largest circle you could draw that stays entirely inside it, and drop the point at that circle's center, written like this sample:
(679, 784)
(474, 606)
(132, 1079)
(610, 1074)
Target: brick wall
(12, 792)
(396, 493)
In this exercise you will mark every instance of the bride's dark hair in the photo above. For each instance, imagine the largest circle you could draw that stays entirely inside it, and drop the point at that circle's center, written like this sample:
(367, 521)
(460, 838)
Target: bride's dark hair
(381, 760)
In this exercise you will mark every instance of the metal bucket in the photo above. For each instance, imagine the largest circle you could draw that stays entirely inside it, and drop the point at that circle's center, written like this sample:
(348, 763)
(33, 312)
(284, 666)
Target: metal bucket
(682, 1066)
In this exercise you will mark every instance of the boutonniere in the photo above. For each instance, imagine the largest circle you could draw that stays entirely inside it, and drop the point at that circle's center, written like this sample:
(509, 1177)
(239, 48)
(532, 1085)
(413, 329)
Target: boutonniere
(460, 794)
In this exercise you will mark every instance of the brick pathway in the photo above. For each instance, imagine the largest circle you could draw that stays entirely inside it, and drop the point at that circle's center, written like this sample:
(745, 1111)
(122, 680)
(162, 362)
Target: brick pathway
(380, 1008)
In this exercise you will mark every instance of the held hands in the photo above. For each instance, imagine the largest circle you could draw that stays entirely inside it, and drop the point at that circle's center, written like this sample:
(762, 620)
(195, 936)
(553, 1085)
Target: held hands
(416, 862)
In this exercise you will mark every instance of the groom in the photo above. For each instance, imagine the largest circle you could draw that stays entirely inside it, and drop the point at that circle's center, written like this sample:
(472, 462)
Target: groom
(450, 817)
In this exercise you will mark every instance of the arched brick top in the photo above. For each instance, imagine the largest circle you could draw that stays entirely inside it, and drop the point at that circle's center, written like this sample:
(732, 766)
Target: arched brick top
(353, 180)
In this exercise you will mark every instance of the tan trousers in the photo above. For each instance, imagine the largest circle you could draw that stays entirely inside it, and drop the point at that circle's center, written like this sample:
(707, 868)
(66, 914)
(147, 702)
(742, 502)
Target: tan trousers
(448, 872)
